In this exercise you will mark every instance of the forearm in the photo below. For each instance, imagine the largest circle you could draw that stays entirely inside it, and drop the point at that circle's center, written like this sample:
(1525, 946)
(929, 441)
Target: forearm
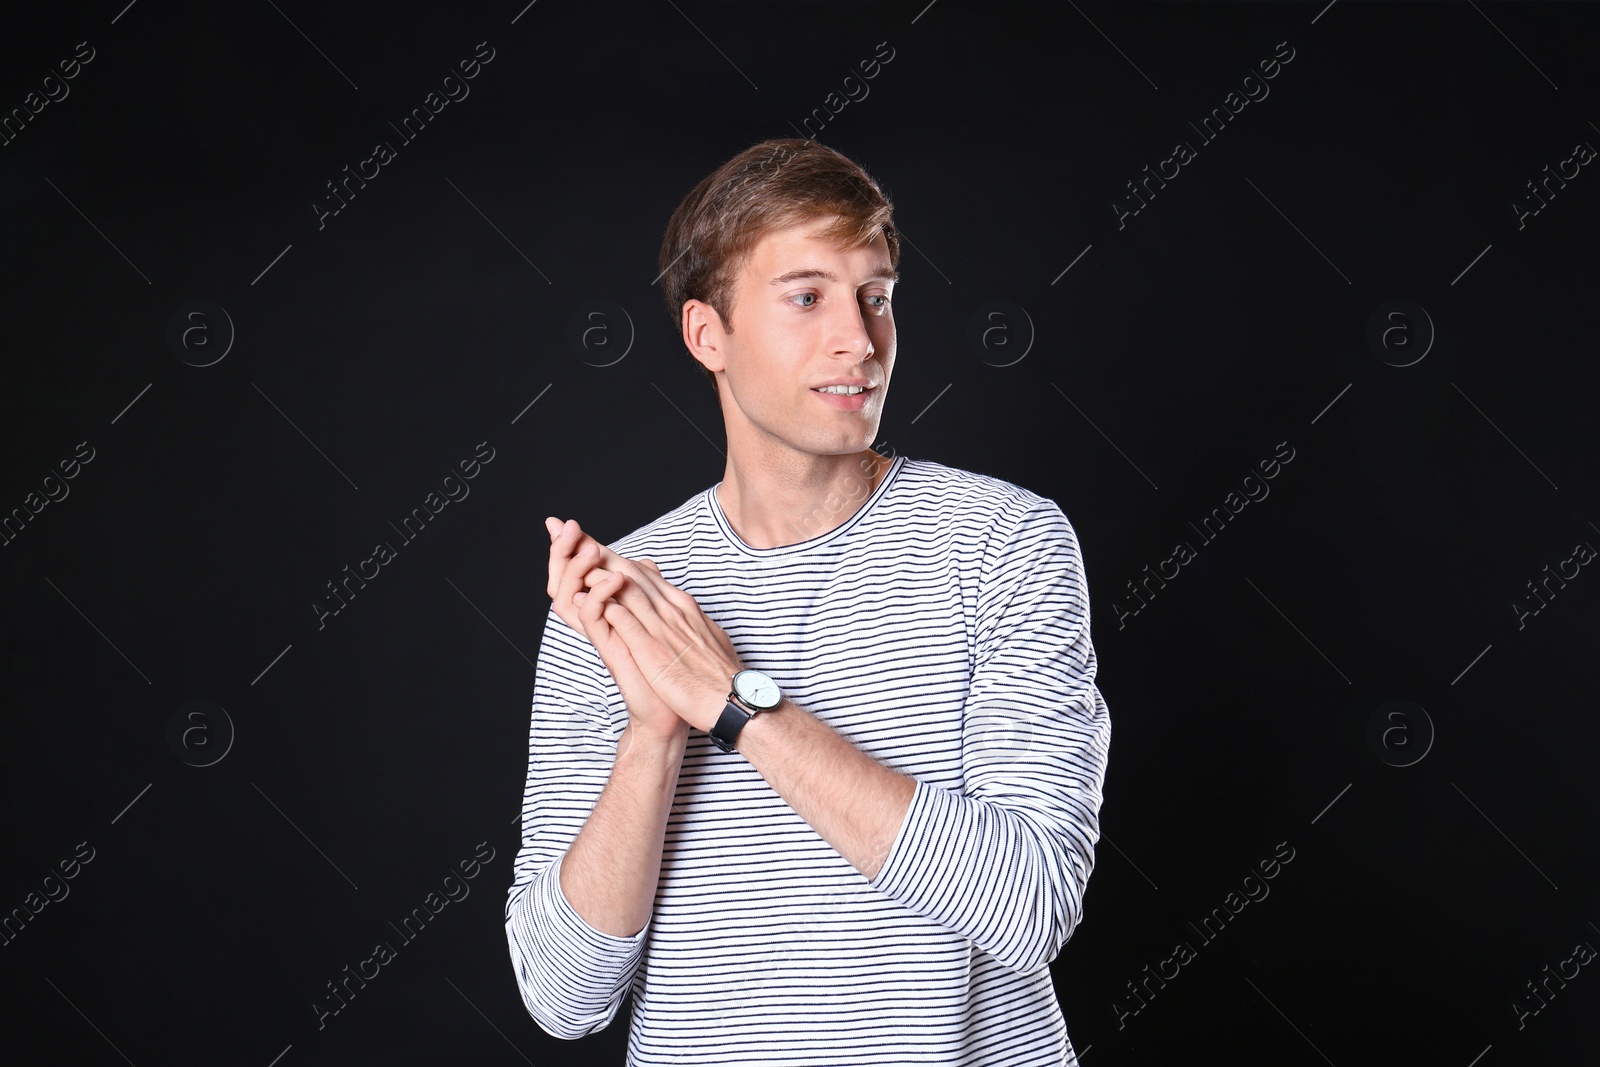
(853, 801)
(1010, 882)
(611, 870)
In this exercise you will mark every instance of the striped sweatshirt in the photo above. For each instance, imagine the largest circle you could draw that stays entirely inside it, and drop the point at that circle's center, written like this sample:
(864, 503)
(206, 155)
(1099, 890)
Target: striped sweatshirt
(943, 628)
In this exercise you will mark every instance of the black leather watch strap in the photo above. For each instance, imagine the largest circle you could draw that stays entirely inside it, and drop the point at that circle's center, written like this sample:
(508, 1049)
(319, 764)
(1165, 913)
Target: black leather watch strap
(729, 723)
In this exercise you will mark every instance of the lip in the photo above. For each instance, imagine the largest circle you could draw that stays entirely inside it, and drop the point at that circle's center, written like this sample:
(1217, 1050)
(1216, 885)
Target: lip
(845, 403)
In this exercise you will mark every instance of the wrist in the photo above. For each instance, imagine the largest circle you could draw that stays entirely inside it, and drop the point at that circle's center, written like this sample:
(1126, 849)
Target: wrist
(764, 725)
(754, 694)
(645, 742)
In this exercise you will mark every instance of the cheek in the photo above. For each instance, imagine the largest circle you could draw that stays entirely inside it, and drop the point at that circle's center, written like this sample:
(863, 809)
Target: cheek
(883, 338)
(884, 353)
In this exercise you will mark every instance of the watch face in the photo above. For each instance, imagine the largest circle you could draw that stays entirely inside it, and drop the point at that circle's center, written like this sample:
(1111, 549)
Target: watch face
(756, 689)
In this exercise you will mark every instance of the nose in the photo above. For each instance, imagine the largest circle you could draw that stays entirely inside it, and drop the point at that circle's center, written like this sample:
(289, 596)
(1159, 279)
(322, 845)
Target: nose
(853, 343)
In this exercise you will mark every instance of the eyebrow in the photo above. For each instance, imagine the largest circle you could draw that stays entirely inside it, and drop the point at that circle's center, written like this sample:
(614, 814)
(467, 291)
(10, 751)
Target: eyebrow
(883, 272)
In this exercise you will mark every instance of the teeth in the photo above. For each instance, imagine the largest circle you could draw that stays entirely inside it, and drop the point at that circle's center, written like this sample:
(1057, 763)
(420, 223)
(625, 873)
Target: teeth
(841, 390)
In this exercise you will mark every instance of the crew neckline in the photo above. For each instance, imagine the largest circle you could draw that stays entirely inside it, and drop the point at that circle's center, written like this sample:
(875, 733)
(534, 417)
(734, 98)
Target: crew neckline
(728, 533)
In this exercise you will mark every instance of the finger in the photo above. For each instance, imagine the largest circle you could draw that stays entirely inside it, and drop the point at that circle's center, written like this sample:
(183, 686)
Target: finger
(682, 608)
(644, 646)
(569, 539)
(557, 566)
(562, 543)
(600, 612)
(675, 612)
(613, 651)
(646, 581)
(568, 573)
(648, 607)
(566, 540)
(589, 605)
(619, 659)
(669, 593)
(685, 605)
(651, 648)
(574, 572)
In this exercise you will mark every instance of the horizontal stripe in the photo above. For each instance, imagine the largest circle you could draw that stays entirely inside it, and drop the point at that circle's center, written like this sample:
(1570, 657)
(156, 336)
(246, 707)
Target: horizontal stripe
(944, 629)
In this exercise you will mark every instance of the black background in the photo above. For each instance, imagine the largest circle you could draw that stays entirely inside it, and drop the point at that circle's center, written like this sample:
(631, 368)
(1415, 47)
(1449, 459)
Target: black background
(373, 353)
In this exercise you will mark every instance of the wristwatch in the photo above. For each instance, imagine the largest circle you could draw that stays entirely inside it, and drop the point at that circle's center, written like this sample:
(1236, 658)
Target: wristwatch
(753, 692)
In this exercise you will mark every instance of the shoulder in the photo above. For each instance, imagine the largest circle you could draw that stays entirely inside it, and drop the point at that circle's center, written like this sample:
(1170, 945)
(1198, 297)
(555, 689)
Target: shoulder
(971, 499)
(998, 529)
(666, 535)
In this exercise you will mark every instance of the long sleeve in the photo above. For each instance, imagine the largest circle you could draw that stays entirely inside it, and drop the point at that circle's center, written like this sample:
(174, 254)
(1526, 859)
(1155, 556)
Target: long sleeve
(572, 977)
(1005, 862)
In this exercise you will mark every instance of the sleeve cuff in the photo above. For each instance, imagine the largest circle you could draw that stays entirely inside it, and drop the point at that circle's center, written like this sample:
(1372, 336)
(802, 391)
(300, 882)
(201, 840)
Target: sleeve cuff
(931, 808)
(570, 928)
(979, 870)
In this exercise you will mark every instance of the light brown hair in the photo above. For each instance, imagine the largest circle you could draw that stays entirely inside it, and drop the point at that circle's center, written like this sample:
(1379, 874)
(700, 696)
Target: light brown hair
(769, 186)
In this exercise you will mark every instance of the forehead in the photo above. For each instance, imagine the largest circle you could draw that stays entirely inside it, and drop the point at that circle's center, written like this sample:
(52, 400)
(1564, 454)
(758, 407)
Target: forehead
(798, 251)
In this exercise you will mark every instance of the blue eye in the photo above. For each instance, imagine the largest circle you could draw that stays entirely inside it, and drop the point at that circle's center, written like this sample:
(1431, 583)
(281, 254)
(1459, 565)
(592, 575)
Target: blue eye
(813, 300)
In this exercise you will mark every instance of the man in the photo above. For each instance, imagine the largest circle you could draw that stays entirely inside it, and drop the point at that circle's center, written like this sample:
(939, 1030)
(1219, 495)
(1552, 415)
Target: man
(816, 757)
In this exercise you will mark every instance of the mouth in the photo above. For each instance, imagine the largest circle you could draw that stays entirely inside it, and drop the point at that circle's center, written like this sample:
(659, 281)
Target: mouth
(846, 400)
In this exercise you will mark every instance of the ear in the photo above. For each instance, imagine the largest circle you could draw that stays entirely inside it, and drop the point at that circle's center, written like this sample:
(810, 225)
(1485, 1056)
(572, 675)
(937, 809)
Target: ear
(703, 334)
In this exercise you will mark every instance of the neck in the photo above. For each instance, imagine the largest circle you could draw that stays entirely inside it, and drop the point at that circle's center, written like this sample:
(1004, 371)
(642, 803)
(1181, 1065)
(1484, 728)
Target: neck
(772, 506)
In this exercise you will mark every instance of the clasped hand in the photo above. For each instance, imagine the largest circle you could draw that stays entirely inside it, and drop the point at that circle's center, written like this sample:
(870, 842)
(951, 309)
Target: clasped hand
(672, 663)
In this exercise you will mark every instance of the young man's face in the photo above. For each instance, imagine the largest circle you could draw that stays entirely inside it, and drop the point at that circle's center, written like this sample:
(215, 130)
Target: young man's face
(805, 313)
